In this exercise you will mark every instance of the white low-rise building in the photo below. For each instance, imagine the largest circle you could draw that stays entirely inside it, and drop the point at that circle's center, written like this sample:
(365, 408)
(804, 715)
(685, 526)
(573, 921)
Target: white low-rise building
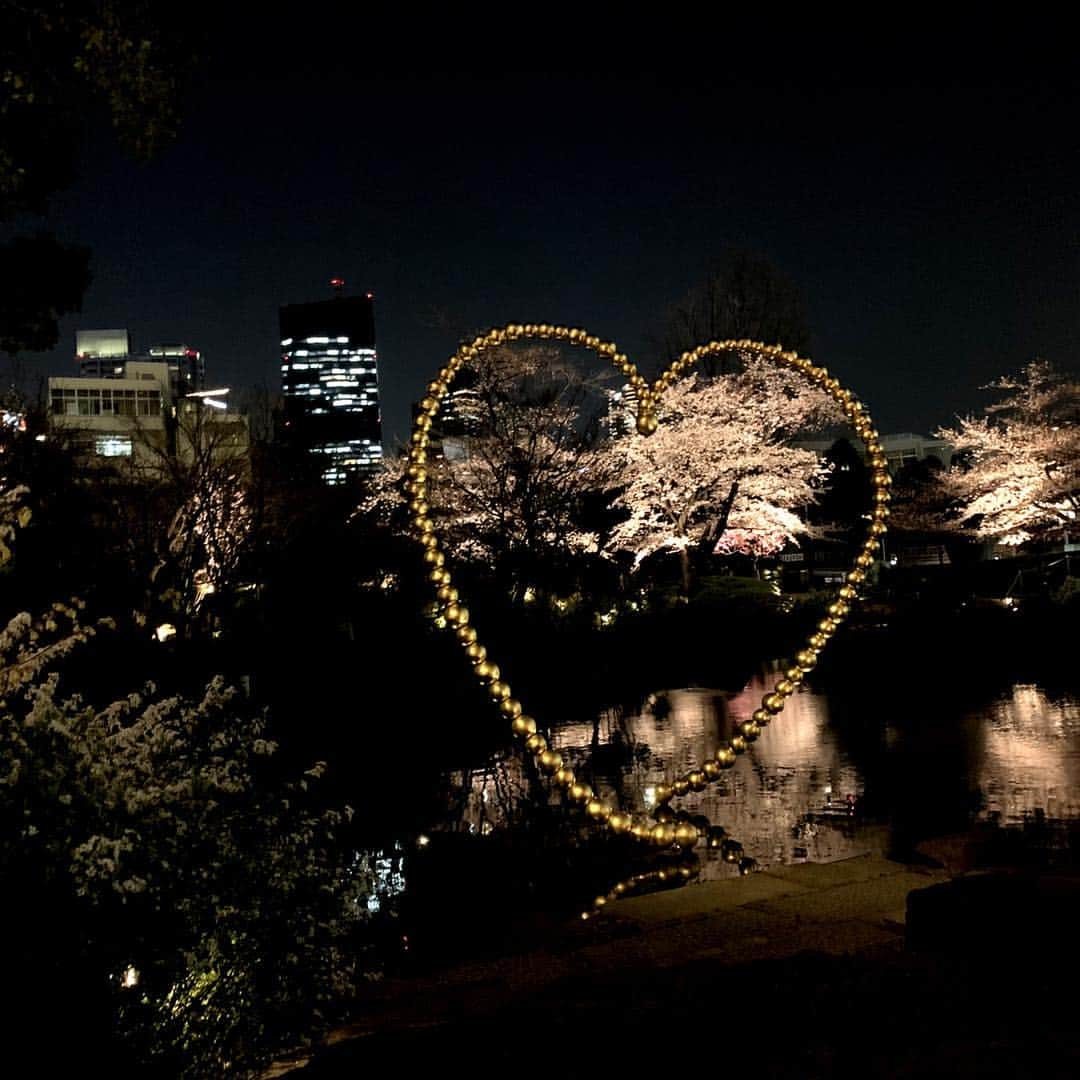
(108, 419)
(130, 422)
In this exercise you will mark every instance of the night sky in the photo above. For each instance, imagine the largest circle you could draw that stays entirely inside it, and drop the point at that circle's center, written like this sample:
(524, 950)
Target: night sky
(932, 228)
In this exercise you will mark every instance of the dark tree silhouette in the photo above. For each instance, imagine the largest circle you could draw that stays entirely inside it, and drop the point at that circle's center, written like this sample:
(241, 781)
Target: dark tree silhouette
(744, 297)
(41, 280)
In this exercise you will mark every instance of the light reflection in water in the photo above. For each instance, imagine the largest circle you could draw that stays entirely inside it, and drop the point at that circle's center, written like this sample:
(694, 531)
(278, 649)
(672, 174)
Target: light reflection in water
(1030, 761)
(783, 800)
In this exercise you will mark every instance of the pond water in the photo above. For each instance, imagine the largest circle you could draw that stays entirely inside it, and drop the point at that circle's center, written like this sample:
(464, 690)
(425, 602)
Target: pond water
(833, 776)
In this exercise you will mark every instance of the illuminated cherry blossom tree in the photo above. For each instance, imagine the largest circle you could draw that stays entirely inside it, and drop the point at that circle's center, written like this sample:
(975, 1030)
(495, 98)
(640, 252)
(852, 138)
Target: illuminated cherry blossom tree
(720, 473)
(511, 495)
(1018, 476)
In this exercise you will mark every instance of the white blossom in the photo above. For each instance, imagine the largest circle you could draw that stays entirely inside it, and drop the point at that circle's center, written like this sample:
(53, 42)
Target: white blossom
(1018, 472)
(720, 473)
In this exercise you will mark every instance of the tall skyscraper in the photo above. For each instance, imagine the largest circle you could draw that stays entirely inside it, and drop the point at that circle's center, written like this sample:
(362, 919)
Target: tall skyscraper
(330, 382)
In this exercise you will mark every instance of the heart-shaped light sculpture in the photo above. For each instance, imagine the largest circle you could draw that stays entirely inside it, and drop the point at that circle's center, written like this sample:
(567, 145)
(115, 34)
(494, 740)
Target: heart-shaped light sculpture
(664, 830)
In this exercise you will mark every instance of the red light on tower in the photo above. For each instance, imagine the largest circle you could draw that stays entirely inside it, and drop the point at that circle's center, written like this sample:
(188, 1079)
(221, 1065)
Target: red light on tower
(338, 285)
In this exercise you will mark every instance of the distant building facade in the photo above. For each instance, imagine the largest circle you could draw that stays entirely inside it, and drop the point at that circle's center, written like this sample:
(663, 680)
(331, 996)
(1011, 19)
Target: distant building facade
(906, 448)
(330, 382)
(621, 415)
(101, 354)
(104, 354)
(140, 410)
(901, 449)
(459, 421)
(187, 369)
(113, 419)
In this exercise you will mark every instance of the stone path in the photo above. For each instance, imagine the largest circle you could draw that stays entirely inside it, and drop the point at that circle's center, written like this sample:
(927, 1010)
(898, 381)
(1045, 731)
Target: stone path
(851, 907)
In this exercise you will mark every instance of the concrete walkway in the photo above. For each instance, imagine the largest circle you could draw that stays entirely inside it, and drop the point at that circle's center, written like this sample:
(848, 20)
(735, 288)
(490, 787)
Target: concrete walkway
(851, 907)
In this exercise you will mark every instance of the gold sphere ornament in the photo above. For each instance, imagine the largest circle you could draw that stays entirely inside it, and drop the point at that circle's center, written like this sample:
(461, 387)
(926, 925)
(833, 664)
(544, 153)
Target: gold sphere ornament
(696, 780)
(662, 835)
(510, 707)
(686, 836)
(711, 769)
(524, 725)
(749, 730)
(596, 809)
(681, 786)
(647, 423)
(773, 703)
(550, 761)
(564, 777)
(725, 757)
(536, 743)
(466, 635)
(806, 659)
(664, 793)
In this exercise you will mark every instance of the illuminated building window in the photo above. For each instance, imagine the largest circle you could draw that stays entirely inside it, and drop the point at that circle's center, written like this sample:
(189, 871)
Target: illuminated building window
(113, 445)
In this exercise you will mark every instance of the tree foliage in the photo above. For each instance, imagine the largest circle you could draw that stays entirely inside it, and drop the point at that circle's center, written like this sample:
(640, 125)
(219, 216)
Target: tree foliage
(1018, 476)
(745, 298)
(58, 64)
(41, 280)
(720, 474)
(57, 61)
(209, 905)
(513, 500)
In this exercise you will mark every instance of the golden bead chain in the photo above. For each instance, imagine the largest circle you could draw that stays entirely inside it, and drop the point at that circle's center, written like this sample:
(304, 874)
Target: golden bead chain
(679, 836)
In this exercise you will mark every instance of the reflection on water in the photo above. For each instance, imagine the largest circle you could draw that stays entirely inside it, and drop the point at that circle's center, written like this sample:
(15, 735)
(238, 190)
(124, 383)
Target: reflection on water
(787, 799)
(1030, 760)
